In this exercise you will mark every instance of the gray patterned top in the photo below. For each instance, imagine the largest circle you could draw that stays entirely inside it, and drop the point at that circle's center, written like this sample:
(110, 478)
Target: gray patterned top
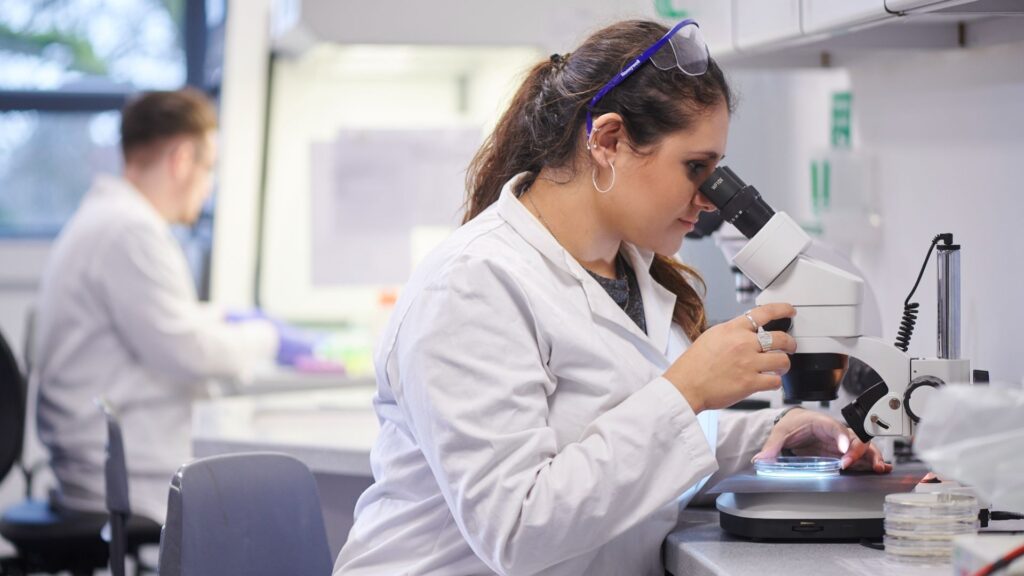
(624, 291)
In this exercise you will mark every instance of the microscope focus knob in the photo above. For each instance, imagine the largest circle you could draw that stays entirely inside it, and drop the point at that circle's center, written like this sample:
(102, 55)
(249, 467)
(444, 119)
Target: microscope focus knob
(926, 383)
(779, 325)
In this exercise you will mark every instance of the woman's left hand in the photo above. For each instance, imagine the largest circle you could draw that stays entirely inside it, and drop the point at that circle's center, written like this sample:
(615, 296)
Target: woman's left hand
(810, 433)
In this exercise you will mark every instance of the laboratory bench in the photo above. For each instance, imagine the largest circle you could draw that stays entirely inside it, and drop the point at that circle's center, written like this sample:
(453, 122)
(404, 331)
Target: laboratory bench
(332, 431)
(271, 379)
(699, 547)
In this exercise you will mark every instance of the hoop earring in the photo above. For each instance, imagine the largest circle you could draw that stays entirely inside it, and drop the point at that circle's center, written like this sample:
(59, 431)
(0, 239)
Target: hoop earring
(593, 178)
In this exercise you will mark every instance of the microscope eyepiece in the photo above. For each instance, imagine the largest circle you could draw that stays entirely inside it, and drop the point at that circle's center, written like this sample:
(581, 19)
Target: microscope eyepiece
(740, 204)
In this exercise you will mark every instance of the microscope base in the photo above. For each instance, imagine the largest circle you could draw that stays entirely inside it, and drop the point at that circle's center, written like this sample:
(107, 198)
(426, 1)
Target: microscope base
(796, 516)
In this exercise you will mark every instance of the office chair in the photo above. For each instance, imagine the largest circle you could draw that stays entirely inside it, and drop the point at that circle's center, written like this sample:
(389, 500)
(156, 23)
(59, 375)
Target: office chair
(46, 539)
(116, 481)
(256, 514)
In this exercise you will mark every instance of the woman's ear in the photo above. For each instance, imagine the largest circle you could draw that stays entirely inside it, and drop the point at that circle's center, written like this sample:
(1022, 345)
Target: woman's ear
(607, 138)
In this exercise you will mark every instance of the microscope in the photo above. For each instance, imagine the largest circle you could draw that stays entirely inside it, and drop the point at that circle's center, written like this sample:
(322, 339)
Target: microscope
(828, 333)
(827, 325)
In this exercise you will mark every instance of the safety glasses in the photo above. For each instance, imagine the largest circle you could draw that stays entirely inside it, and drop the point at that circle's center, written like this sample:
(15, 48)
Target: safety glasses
(683, 47)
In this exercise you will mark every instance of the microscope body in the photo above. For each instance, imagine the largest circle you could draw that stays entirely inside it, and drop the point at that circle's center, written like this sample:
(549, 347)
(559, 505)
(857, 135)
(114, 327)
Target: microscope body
(827, 326)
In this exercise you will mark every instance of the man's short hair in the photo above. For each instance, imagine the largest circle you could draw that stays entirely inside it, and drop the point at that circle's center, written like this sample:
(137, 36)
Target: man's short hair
(155, 117)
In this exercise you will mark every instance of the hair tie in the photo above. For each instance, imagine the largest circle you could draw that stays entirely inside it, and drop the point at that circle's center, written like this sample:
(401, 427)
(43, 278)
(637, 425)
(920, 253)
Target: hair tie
(559, 60)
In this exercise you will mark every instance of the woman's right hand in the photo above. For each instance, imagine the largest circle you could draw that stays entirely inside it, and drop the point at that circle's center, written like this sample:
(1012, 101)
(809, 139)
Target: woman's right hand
(726, 364)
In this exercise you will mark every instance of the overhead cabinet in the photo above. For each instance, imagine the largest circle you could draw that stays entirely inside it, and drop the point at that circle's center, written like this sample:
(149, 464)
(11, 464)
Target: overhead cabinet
(834, 15)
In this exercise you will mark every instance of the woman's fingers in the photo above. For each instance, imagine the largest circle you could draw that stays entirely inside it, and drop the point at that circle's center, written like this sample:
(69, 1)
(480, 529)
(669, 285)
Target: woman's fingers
(782, 342)
(767, 312)
(772, 362)
(767, 382)
(773, 446)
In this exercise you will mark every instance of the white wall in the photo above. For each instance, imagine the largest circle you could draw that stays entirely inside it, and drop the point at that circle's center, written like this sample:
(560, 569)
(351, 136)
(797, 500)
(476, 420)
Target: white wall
(947, 129)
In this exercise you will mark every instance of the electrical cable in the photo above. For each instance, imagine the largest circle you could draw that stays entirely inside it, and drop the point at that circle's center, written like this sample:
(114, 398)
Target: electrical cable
(910, 308)
(1000, 515)
(1001, 563)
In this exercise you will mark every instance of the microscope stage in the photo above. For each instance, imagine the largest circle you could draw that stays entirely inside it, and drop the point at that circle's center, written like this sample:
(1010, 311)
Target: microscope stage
(844, 507)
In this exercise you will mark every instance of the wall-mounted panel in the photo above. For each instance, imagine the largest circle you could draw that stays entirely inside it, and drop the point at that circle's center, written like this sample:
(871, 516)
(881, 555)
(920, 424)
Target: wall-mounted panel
(762, 22)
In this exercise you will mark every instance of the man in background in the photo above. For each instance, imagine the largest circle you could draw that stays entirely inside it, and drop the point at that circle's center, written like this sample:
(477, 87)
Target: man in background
(119, 318)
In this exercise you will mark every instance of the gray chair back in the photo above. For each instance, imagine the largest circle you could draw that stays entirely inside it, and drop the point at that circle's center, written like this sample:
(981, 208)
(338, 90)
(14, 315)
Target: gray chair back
(256, 514)
(116, 480)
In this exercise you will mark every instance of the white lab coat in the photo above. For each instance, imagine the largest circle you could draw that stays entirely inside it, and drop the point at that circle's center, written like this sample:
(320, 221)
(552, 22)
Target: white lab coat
(525, 425)
(118, 318)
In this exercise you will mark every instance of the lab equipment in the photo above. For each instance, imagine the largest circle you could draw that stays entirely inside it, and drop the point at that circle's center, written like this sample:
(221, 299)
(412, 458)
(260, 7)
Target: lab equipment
(828, 332)
(842, 507)
(798, 467)
(919, 527)
(827, 326)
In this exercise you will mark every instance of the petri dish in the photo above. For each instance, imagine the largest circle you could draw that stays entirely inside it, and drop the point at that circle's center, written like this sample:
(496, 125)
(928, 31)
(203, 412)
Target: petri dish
(798, 467)
(919, 506)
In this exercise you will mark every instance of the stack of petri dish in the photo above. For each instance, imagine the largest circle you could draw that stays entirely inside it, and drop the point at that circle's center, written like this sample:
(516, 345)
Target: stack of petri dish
(919, 528)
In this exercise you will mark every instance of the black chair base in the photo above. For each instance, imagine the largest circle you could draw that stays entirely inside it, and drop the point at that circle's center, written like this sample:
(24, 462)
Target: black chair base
(49, 541)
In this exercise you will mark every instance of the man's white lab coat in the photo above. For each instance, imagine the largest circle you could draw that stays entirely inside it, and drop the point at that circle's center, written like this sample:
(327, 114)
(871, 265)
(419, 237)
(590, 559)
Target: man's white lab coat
(118, 318)
(525, 425)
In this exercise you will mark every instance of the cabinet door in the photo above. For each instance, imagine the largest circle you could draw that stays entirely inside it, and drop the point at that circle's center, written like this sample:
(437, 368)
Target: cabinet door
(714, 17)
(760, 22)
(827, 15)
(902, 5)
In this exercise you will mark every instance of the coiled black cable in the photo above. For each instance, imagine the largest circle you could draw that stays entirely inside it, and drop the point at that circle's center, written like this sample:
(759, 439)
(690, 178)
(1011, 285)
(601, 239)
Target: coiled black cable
(910, 308)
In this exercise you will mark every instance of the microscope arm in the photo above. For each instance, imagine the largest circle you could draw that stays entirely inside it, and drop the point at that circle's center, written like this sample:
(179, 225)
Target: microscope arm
(879, 411)
(827, 324)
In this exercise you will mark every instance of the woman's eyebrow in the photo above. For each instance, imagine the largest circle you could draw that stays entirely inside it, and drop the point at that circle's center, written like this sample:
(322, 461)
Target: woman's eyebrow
(710, 154)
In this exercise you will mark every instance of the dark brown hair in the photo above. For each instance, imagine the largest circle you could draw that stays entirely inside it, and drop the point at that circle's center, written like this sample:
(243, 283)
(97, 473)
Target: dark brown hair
(544, 126)
(155, 117)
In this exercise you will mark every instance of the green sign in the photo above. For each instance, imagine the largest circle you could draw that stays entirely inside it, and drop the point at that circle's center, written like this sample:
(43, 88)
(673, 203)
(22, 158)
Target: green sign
(667, 9)
(842, 110)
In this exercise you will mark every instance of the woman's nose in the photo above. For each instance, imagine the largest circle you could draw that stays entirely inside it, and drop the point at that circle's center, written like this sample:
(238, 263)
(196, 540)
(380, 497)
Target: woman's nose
(703, 203)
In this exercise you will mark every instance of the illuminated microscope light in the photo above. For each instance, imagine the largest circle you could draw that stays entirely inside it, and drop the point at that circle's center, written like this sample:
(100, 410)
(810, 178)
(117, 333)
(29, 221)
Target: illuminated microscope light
(798, 467)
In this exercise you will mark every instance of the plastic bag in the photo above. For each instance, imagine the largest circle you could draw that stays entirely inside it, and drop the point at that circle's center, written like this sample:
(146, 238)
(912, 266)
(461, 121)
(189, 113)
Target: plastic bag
(975, 435)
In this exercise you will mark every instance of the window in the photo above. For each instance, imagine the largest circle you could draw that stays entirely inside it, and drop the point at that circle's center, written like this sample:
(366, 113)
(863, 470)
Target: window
(91, 45)
(66, 69)
(47, 161)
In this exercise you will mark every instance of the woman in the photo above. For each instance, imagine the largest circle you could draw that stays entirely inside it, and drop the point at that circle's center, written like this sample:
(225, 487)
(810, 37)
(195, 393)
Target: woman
(547, 384)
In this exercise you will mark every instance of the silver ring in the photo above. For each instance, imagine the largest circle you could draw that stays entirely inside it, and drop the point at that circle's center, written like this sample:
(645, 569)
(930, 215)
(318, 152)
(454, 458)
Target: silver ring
(751, 318)
(764, 338)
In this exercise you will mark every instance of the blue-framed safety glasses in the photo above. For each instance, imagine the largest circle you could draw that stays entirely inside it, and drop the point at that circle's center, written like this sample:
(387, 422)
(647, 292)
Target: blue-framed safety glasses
(683, 47)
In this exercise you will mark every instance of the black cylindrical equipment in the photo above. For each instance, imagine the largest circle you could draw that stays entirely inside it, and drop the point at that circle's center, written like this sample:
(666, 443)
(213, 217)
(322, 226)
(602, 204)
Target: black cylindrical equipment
(740, 204)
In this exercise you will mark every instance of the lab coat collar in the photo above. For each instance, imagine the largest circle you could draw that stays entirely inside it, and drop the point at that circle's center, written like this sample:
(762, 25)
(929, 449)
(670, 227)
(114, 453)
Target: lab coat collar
(659, 302)
(108, 186)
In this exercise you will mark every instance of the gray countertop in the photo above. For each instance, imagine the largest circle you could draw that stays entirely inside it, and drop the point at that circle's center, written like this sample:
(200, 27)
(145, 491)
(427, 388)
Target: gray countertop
(699, 547)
